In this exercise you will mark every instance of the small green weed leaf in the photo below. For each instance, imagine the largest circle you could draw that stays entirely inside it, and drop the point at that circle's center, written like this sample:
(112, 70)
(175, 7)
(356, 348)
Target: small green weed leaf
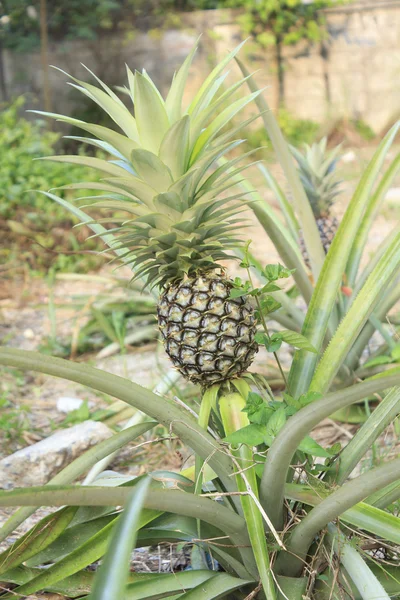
(251, 435)
(310, 446)
(276, 422)
(379, 360)
(297, 340)
(272, 343)
(269, 287)
(274, 272)
(309, 397)
(258, 411)
(269, 305)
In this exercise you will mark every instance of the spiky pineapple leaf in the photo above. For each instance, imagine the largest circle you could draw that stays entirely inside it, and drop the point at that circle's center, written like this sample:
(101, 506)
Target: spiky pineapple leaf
(151, 116)
(173, 102)
(174, 147)
(151, 169)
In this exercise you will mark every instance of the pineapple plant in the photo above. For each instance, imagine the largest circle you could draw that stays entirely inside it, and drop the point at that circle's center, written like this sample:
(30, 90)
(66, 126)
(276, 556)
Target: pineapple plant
(320, 181)
(180, 220)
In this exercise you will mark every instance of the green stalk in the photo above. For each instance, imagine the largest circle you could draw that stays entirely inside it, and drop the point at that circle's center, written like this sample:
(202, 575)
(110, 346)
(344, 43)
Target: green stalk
(359, 572)
(385, 497)
(291, 562)
(233, 418)
(369, 432)
(79, 466)
(164, 410)
(296, 428)
(306, 217)
(356, 318)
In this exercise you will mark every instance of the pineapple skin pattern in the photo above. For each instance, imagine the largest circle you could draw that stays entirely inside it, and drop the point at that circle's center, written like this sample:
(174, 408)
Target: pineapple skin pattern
(181, 214)
(208, 336)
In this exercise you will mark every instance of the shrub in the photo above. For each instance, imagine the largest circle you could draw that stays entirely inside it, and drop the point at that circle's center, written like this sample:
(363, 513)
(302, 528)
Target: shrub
(28, 214)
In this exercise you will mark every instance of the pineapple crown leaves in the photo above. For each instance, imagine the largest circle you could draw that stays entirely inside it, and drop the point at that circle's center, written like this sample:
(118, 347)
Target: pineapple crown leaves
(179, 206)
(317, 170)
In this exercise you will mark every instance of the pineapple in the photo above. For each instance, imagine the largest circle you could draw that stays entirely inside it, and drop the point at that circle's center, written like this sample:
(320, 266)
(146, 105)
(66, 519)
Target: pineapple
(180, 220)
(319, 178)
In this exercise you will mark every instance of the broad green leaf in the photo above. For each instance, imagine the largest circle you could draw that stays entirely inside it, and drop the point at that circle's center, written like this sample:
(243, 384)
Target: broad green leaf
(310, 446)
(356, 317)
(276, 422)
(174, 149)
(329, 282)
(151, 169)
(72, 587)
(251, 435)
(152, 119)
(297, 340)
(112, 576)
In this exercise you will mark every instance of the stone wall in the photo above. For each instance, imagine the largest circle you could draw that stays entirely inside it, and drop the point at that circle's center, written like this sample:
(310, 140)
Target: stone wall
(355, 74)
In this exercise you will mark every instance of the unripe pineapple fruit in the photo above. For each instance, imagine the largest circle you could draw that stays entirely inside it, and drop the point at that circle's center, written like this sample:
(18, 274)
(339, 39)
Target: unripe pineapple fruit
(321, 184)
(208, 336)
(179, 219)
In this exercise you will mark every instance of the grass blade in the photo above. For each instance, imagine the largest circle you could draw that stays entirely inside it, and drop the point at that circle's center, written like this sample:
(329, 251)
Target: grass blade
(110, 582)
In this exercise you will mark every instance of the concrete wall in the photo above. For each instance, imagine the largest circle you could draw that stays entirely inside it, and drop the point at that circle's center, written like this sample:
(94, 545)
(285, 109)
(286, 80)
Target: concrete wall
(357, 75)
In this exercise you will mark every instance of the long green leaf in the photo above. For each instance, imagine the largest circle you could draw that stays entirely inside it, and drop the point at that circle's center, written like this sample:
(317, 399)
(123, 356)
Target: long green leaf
(164, 410)
(329, 509)
(286, 207)
(164, 586)
(358, 446)
(151, 116)
(79, 466)
(362, 515)
(173, 102)
(303, 208)
(37, 539)
(329, 281)
(355, 319)
(217, 587)
(372, 209)
(112, 576)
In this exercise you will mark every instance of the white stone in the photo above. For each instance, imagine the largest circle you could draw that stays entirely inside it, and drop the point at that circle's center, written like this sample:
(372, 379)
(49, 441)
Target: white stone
(349, 157)
(65, 404)
(37, 464)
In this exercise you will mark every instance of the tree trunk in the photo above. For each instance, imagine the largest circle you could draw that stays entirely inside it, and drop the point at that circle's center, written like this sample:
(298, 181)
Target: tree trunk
(281, 73)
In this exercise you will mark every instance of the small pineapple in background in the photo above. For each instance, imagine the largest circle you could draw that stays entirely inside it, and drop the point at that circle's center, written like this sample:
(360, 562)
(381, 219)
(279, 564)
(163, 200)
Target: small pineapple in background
(317, 170)
(181, 220)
